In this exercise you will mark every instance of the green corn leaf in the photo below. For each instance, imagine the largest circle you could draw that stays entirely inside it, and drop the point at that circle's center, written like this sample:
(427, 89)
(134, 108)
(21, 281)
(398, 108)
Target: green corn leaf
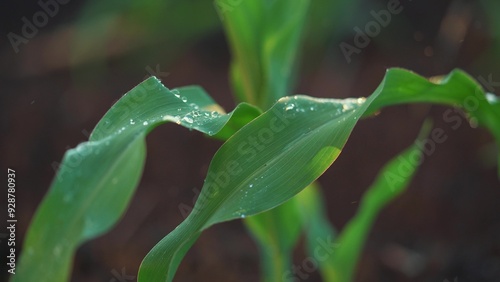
(457, 89)
(276, 233)
(277, 230)
(391, 181)
(285, 149)
(262, 165)
(96, 180)
(264, 37)
(320, 233)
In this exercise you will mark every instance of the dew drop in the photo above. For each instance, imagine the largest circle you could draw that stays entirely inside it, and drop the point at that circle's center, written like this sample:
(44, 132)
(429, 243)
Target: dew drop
(80, 149)
(251, 185)
(145, 123)
(132, 121)
(491, 98)
(184, 99)
(175, 92)
(187, 119)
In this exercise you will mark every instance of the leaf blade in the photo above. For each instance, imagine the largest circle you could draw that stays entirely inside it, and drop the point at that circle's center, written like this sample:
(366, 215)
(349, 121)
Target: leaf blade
(264, 37)
(381, 192)
(310, 144)
(97, 179)
(239, 179)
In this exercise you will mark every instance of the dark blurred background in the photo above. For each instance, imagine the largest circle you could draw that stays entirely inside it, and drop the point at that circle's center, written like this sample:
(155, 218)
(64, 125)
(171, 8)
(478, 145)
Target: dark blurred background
(58, 79)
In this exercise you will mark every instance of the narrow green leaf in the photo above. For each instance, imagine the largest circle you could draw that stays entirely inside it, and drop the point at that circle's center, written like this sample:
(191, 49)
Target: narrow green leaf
(391, 181)
(457, 89)
(262, 165)
(309, 214)
(244, 25)
(320, 233)
(96, 180)
(282, 151)
(264, 37)
(276, 233)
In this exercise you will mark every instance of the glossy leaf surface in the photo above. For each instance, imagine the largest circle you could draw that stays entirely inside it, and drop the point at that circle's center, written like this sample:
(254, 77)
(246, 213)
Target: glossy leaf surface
(282, 151)
(97, 179)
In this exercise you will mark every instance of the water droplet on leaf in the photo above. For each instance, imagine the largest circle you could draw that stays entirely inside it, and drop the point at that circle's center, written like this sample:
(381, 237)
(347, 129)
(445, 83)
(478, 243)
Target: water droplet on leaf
(187, 119)
(175, 92)
(491, 98)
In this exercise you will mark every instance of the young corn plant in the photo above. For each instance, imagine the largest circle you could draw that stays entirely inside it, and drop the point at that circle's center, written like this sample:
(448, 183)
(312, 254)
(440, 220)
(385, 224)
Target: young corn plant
(275, 147)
